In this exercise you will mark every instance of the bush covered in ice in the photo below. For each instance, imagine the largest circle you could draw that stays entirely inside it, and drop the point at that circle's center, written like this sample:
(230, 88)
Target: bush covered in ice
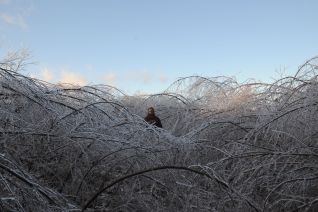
(225, 146)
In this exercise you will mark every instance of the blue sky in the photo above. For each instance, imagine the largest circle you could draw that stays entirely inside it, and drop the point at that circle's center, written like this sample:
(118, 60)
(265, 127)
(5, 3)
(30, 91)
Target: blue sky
(144, 45)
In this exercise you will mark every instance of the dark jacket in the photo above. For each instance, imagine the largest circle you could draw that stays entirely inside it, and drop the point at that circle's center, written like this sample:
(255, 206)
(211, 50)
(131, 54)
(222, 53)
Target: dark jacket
(154, 120)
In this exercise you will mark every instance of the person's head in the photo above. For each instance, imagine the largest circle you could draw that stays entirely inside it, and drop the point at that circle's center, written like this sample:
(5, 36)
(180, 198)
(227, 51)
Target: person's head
(151, 111)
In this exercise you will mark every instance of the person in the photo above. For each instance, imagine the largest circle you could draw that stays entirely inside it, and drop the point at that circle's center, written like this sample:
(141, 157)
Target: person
(151, 118)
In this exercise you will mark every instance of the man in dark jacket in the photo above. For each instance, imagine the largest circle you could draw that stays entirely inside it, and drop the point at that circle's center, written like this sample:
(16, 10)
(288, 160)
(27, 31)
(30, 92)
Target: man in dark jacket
(151, 118)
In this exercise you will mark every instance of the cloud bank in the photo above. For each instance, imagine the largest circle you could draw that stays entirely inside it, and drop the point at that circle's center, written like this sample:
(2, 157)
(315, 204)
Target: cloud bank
(129, 80)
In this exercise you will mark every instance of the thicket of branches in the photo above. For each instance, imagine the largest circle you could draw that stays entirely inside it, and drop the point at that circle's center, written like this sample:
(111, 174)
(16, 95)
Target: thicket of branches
(225, 146)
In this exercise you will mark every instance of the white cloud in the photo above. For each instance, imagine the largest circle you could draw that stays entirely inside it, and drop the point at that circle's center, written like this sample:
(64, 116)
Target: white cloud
(69, 77)
(46, 75)
(141, 76)
(89, 67)
(5, 1)
(163, 78)
(110, 78)
(146, 77)
(17, 20)
(8, 19)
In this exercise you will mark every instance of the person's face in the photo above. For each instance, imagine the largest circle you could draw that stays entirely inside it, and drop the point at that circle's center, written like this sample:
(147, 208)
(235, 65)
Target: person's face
(151, 111)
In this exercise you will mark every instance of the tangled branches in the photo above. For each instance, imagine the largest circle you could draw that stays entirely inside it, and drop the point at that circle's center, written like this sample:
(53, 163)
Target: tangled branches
(225, 146)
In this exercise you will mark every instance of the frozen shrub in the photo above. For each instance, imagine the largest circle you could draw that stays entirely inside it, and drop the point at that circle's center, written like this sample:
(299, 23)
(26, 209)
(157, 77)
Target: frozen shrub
(225, 146)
